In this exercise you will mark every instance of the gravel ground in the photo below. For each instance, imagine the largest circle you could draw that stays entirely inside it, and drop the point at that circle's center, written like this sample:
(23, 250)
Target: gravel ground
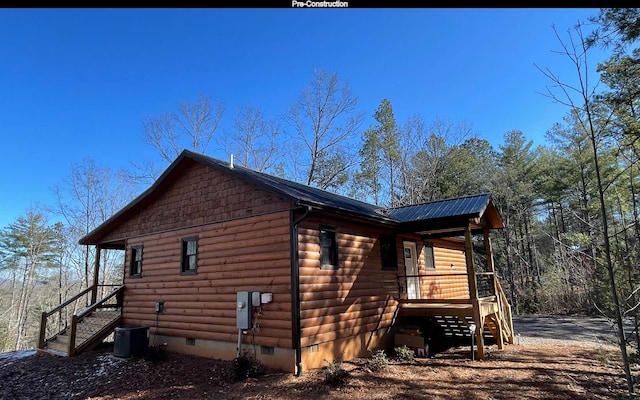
(532, 330)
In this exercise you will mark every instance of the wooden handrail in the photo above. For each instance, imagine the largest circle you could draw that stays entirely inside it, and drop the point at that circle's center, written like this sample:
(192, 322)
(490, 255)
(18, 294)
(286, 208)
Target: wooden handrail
(445, 274)
(505, 307)
(435, 301)
(42, 339)
(438, 274)
(78, 317)
(66, 303)
(93, 307)
(46, 314)
(434, 274)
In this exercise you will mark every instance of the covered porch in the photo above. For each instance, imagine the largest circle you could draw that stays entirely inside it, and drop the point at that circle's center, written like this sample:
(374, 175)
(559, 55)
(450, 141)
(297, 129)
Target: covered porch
(465, 298)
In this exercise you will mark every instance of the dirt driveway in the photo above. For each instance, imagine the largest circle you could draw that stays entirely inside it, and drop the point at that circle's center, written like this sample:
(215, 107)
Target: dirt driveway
(567, 328)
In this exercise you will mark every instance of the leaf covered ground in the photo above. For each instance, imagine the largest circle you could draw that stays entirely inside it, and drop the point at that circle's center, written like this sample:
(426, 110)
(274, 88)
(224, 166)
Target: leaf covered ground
(549, 370)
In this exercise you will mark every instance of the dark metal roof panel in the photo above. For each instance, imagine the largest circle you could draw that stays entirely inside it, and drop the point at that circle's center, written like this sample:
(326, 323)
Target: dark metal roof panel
(468, 207)
(303, 193)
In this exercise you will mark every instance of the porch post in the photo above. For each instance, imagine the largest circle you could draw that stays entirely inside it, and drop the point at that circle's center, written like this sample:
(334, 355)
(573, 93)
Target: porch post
(96, 270)
(490, 268)
(473, 292)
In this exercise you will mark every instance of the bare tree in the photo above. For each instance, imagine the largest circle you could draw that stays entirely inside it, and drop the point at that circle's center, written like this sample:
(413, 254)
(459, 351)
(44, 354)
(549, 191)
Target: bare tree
(412, 137)
(324, 120)
(254, 141)
(425, 154)
(192, 126)
(580, 97)
(87, 197)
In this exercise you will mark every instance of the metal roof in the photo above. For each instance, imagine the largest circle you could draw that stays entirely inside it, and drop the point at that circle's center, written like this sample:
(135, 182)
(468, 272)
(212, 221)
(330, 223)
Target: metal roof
(456, 208)
(302, 193)
(463, 207)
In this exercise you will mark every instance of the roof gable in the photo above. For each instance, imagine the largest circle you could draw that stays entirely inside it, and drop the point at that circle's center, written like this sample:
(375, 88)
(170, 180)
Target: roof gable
(456, 209)
(303, 194)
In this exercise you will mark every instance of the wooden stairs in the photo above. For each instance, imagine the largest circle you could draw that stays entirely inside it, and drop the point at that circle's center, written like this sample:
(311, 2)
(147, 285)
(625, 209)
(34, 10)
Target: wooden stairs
(454, 317)
(83, 330)
(455, 326)
(454, 321)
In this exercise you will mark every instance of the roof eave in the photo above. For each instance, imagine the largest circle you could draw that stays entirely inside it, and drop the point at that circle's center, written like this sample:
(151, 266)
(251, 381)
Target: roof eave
(352, 214)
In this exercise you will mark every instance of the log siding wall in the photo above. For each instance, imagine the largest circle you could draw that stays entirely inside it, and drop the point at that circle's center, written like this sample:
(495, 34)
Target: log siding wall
(355, 299)
(249, 254)
(449, 279)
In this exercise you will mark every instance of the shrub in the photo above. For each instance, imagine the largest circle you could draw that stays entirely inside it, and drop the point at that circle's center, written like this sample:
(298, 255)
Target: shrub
(335, 375)
(378, 360)
(404, 353)
(246, 366)
(155, 354)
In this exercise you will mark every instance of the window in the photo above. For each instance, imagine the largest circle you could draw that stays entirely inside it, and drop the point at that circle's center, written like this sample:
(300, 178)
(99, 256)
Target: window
(328, 248)
(429, 260)
(388, 253)
(136, 261)
(189, 255)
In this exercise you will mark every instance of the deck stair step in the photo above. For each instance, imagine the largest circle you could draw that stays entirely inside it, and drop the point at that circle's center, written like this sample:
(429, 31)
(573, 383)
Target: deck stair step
(92, 326)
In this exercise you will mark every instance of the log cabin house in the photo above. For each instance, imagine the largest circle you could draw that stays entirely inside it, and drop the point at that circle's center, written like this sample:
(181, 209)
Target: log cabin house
(221, 259)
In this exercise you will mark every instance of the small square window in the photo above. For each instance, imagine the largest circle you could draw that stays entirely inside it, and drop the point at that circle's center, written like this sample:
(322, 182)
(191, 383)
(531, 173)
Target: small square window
(189, 262)
(388, 253)
(328, 248)
(136, 261)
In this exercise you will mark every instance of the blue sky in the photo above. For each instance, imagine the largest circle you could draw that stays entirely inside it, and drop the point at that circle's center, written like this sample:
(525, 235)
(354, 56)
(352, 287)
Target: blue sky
(78, 83)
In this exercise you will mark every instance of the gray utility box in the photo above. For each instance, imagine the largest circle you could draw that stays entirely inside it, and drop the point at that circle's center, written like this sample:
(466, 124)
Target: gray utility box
(130, 341)
(243, 310)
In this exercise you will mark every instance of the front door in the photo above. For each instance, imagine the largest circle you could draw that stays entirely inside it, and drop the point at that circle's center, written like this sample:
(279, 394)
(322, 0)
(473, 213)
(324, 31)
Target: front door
(411, 268)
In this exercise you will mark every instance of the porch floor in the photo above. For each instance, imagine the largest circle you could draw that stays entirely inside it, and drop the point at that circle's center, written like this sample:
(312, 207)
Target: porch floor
(454, 307)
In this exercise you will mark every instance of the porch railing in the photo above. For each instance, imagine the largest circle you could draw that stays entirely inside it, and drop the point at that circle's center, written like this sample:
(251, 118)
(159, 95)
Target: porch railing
(489, 289)
(484, 282)
(57, 320)
(505, 312)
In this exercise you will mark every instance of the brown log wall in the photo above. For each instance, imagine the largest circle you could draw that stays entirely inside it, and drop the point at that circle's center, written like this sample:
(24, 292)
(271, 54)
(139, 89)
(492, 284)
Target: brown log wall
(357, 298)
(449, 279)
(249, 254)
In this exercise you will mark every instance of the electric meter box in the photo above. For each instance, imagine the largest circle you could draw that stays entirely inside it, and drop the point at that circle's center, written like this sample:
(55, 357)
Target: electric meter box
(243, 310)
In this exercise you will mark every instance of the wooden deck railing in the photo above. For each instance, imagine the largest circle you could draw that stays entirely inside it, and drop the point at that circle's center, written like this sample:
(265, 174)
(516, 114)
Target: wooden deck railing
(491, 302)
(505, 308)
(57, 320)
(484, 282)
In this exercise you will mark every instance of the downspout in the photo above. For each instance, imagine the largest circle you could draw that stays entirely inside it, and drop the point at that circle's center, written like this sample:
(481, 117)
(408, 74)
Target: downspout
(295, 290)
